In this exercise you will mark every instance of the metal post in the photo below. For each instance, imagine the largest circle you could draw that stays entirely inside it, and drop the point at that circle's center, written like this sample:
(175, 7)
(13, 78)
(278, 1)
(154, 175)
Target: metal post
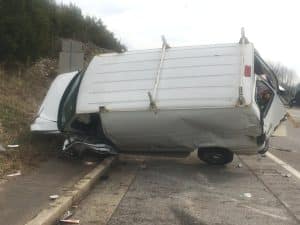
(152, 97)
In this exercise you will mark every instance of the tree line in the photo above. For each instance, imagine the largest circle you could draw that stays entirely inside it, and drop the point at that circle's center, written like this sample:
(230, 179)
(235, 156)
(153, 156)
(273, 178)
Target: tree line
(30, 29)
(287, 79)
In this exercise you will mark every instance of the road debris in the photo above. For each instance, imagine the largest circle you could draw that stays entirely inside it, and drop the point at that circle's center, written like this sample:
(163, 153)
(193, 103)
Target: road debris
(14, 174)
(67, 215)
(286, 175)
(70, 221)
(13, 146)
(53, 197)
(88, 163)
(240, 165)
(247, 195)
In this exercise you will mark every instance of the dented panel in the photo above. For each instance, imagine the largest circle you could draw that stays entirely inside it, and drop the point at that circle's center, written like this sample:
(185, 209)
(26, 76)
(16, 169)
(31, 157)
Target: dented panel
(183, 130)
(46, 119)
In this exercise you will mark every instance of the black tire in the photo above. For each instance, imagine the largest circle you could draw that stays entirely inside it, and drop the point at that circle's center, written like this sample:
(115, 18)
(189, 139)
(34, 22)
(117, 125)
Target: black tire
(215, 156)
(266, 147)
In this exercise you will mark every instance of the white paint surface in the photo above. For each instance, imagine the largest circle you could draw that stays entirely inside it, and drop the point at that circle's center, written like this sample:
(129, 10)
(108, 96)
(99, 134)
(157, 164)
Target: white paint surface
(191, 77)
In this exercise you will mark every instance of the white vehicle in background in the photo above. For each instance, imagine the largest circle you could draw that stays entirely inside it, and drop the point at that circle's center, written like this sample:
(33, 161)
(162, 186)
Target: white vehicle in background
(219, 99)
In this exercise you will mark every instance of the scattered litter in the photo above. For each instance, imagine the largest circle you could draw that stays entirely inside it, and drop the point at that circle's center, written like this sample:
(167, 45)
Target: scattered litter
(14, 174)
(240, 165)
(13, 146)
(67, 215)
(247, 195)
(53, 197)
(88, 163)
(286, 175)
(70, 221)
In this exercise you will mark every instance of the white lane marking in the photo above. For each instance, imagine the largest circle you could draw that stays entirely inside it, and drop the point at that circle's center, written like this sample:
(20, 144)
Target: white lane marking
(286, 166)
(265, 213)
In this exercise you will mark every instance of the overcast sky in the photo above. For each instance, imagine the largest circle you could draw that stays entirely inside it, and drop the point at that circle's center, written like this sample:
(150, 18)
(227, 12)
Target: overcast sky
(272, 25)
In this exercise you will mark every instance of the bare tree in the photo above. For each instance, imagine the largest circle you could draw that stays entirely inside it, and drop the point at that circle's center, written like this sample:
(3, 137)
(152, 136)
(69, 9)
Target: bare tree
(287, 79)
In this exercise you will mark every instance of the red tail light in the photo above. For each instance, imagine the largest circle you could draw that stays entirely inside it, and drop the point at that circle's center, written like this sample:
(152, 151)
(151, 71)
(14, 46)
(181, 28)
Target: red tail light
(247, 71)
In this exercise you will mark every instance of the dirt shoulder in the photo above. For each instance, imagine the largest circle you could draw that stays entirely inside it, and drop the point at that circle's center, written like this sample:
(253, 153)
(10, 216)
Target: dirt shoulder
(22, 90)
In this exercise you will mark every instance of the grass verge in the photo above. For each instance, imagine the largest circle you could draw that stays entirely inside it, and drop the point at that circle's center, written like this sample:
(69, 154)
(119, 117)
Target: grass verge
(21, 92)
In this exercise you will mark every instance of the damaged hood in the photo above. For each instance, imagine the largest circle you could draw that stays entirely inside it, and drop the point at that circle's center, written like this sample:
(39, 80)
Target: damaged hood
(46, 119)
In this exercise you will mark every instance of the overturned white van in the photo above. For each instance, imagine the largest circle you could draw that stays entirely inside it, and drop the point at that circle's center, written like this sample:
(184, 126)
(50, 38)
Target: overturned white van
(219, 99)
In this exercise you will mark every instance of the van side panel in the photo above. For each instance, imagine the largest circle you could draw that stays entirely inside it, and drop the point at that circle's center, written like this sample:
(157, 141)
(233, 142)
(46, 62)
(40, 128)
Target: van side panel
(183, 130)
(191, 77)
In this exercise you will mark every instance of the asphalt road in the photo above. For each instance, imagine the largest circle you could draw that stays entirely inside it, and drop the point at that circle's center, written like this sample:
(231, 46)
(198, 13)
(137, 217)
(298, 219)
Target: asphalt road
(288, 148)
(160, 190)
(149, 190)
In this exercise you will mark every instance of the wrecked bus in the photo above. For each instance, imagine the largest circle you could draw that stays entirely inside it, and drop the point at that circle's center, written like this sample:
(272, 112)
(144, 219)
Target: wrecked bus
(218, 99)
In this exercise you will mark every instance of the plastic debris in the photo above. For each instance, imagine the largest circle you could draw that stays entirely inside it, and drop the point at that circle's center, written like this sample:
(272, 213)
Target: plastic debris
(70, 221)
(53, 197)
(286, 175)
(13, 146)
(67, 215)
(240, 165)
(88, 163)
(247, 195)
(14, 174)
